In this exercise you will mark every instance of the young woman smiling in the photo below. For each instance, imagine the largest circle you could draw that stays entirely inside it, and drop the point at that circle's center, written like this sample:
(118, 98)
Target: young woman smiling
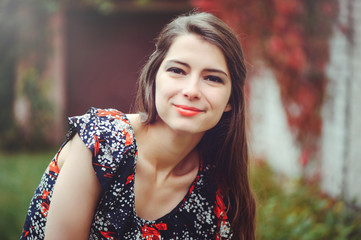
(177, 169)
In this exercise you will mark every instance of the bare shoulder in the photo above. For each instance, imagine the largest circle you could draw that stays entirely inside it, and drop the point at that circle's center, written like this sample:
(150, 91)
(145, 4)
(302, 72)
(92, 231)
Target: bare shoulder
(135, 121)
(73, 145)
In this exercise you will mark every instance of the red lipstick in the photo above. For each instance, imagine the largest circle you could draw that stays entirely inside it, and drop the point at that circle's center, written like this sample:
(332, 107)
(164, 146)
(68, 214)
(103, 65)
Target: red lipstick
(187, 111)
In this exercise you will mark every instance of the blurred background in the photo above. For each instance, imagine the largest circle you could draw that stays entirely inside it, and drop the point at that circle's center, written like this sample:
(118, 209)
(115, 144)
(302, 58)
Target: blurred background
(58, 58)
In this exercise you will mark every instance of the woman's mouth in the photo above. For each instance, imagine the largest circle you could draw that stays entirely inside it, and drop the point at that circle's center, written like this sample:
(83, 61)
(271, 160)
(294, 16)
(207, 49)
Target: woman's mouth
(187, 110)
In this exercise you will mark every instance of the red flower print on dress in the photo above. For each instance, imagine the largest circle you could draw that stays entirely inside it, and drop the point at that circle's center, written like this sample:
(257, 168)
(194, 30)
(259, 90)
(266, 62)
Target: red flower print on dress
(153, 233)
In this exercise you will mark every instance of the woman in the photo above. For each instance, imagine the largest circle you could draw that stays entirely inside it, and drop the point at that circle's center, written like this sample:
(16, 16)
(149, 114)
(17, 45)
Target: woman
(176, 170)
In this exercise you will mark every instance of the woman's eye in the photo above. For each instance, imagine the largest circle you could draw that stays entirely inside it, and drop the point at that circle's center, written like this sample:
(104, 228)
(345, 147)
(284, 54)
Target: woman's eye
(175, 70)
(214, 79)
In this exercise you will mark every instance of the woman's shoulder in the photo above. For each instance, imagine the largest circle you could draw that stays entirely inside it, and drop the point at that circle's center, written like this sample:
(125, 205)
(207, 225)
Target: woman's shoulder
(109, 135)
(103, 119)
(106, 114)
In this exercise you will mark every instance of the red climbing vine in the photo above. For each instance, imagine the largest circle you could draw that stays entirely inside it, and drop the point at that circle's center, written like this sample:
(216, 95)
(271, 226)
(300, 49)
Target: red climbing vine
(291, 37)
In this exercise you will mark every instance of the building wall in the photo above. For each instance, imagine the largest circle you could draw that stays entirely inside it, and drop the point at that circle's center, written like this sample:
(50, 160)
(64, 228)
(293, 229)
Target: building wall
(353, 178)
(341, 144)
(105, 54)
(335, 110)
(56, 74)
(270, 135)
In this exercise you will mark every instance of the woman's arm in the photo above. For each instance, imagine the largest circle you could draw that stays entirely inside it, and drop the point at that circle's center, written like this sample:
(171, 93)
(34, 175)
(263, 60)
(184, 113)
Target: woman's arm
(76, 194)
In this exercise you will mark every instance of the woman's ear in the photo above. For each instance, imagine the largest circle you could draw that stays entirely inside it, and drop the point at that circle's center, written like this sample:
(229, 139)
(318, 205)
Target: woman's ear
(228, 108)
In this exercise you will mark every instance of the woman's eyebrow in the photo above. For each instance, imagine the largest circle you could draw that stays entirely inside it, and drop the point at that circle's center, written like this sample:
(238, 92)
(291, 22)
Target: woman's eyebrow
(178, 62)
(216, 70)
(207, 69)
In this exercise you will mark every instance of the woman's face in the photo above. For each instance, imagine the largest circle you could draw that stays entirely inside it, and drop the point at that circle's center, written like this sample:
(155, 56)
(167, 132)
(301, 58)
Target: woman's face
(193, 85)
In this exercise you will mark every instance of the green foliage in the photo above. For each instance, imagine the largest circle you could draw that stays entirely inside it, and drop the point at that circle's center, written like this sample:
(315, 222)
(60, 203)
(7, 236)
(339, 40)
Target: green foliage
(293, 209)
(19, 175)
(35, 90)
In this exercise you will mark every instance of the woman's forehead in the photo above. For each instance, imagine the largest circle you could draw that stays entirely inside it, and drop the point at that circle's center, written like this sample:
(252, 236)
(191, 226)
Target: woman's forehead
(192, 49)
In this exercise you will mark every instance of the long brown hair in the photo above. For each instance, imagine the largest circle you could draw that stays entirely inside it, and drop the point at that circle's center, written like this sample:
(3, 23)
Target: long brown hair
(225, 145)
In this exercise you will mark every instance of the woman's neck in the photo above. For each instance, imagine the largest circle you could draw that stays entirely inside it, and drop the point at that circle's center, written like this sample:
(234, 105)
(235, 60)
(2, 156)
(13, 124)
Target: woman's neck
(165, 150)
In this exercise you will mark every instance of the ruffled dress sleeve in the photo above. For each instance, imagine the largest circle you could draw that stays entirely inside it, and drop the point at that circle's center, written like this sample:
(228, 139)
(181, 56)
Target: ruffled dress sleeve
(109, 136)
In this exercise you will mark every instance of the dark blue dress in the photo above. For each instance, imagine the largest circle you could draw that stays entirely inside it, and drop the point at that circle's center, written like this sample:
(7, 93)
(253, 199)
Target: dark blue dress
(109, 136)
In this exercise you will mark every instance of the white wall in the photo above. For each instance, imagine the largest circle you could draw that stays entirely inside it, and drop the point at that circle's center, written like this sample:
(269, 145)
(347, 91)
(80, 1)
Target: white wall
(341, 142)
(353, 174)
(335, 111)
(270, 136)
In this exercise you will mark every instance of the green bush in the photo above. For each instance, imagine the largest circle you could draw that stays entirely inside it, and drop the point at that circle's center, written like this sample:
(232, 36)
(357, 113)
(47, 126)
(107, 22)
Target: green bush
(295, 209)
(19, 175)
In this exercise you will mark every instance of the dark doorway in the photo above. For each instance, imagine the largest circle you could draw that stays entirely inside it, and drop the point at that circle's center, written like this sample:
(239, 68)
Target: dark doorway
(104, 56)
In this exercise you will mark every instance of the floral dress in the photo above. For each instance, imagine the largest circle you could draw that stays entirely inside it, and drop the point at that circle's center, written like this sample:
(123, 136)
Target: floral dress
(109, 136)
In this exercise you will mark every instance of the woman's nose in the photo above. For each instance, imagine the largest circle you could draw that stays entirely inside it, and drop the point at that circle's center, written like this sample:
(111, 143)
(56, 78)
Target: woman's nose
(192, 89)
